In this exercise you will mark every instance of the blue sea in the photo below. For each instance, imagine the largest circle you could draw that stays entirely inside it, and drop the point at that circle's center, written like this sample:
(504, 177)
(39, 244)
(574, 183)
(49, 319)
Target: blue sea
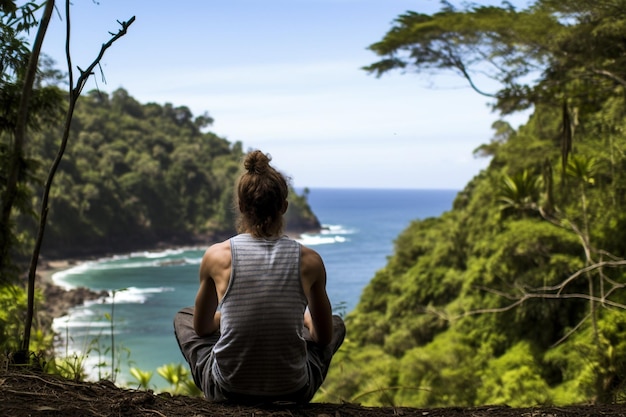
(146, 289)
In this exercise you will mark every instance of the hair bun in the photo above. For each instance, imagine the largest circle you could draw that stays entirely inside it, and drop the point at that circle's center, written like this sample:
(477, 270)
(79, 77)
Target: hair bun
(257, 162)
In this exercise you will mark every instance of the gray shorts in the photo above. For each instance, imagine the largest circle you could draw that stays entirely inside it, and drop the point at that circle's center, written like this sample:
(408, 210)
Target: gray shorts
(198, 354)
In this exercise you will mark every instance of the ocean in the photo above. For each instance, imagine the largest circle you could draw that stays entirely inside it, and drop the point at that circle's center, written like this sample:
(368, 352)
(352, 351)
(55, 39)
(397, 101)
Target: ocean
(146, 289)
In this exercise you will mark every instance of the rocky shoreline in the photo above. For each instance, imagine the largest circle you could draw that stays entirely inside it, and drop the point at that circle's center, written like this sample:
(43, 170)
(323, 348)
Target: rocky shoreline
(57, 301)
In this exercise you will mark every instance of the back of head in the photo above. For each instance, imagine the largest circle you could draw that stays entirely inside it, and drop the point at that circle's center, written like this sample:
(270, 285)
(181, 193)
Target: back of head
(262, 197)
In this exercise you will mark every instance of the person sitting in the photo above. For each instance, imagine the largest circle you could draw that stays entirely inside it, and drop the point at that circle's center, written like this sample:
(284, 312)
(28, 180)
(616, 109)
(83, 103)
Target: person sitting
(262, 328)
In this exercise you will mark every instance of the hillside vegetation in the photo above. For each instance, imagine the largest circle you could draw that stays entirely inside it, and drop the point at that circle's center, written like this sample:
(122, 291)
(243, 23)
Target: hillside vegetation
(516, 295)
(135, 175)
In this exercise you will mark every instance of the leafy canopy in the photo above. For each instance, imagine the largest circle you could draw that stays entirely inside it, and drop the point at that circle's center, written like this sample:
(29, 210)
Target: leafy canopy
(516, 295)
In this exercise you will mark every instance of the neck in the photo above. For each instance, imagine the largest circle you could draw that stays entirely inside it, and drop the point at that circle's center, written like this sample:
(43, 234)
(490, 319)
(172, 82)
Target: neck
(257, 235)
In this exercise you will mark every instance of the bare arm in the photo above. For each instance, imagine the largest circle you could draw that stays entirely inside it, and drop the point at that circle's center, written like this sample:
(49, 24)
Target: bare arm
(206, 318)
(214, 274)
(318, 317)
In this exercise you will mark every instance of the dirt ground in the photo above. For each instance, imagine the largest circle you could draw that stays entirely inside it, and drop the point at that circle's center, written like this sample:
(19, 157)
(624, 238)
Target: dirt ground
(35, 394)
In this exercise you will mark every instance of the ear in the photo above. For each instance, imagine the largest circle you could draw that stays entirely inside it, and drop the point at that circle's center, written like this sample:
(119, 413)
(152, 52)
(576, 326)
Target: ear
(284, 207)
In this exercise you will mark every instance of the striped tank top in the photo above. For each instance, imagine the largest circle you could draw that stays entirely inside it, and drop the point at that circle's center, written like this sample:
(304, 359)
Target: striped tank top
(261, 350)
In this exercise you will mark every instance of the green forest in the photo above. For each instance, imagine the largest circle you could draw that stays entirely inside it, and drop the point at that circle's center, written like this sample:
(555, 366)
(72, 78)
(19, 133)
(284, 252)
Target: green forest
(135, 175)
(513, 296)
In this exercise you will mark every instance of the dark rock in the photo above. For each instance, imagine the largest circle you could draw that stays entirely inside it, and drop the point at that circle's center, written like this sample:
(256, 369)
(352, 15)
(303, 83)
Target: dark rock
(58, 301)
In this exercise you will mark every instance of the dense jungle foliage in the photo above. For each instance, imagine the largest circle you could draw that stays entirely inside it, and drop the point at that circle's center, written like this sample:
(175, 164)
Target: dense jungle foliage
(138, 174)
(516, 295)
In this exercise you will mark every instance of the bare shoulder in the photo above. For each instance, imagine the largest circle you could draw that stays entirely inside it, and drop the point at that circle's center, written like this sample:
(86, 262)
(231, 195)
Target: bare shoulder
(309, 255)
(218, 250)
(312, 265)
(216, 257)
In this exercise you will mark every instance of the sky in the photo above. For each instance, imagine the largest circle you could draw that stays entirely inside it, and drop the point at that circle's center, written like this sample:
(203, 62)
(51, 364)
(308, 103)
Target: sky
(285, 77)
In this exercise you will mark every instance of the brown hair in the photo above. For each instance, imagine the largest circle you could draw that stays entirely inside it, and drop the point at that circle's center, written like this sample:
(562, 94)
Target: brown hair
(261, 197)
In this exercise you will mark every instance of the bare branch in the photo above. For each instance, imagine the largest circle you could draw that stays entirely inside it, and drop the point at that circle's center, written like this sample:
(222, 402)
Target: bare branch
(552, 293)
(572, 331)
(84, 76)
(610, 75)
(74, 96)
(492, 310)
(589, 268)
(528, 296)
(461, 67)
